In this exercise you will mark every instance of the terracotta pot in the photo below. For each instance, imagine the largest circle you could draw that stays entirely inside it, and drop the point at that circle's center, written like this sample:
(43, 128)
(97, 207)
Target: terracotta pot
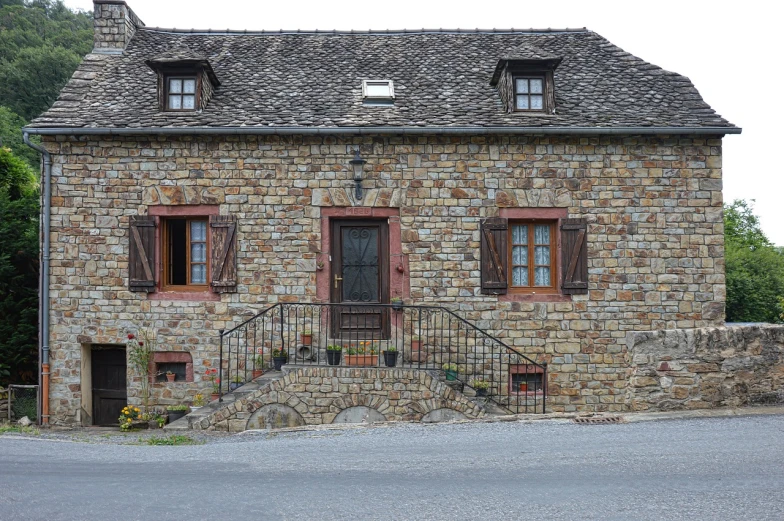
(214, 396)
(361, 360)
(524, 388)
(416, 345)
(306, 340)
(257, 373)
(170, 377)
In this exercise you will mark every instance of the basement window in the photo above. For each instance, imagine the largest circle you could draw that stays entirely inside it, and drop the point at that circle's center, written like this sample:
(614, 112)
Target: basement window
(526, 379)
(378, 91)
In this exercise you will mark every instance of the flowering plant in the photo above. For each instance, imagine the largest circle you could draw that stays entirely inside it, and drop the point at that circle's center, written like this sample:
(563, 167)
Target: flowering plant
(127, 417)
(280, 353)
(198, 400)
(260, 358)
(212, 374)
(365, 348)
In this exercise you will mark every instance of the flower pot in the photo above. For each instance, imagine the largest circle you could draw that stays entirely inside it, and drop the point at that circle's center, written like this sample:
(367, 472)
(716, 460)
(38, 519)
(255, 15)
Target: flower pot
(278, 362)
(361, 360)
(451, 375)
(481, 392)
(170, 377)
(416, 345)
(397, 306)
(195, 408)
(333, 357)
(214, 396)
(305, 340)
(257, 373)
(235, 385)
(176, 415)
(523, 388)
(390, 358)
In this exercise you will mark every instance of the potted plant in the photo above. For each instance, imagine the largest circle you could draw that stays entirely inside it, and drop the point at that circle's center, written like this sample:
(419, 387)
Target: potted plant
(279, 357)
(130, 418)
(170, 376)
(176, 412)
(365, 355)
(390, 357)
(306, 337)
(212, 374)
(258, 371)
(416, 350)
(416, 343)
(334, 353)
(523, 387)
(236, 383)
(160, 421)
(480, 386)
(198, 402)
(397, 303)
(451, 372)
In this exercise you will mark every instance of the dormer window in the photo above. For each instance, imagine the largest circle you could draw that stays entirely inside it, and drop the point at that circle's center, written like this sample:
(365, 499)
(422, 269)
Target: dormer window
(529, 93)
(181, 93)
(378, 91)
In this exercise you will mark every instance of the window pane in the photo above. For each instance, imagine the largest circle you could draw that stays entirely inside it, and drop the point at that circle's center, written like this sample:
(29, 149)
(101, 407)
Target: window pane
(541, 234)
(377, 90)
(522, 102)
(175, 86)
(198, 274)
(198, 252)
(519, 276)
(175, 102)
(519, 234)
(536, 102)
(522, 86)
(189, 86)
(536, 86)
(189, 102)
(542, 255)
(542, 276)
(520, 255)
(198, 231)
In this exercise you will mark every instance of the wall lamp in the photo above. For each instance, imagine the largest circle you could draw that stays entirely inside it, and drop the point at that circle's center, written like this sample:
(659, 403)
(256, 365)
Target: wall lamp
(358, 164)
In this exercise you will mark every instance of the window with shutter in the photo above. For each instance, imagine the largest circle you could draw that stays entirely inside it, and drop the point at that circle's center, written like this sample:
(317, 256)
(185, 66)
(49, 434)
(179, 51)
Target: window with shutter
(185, 253)
(141, 254)
(532, 259)
(574, 248)
(223, 236)
(493, 255)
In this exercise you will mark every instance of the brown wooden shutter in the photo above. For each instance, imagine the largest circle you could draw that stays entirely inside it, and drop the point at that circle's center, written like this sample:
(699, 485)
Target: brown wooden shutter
(223, 255)
(493, 255)
(574, 249)
(141, 254)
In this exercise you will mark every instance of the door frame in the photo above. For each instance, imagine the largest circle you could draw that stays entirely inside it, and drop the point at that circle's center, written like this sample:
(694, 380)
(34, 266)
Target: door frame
(336, 265)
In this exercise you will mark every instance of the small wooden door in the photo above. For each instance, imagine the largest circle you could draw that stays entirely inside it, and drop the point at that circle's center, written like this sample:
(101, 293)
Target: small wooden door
(360, 275)
(109, 385)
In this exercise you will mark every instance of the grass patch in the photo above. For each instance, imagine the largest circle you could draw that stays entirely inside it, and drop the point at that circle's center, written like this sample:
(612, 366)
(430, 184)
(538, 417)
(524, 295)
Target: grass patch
(174, 439)
(18, 429)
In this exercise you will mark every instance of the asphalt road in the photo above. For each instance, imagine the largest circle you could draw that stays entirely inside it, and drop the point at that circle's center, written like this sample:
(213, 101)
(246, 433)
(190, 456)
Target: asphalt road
(697, 469)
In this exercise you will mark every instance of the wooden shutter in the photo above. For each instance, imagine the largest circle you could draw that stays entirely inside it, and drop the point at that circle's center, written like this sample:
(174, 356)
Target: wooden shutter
(574, 249)
(223, 254)
(141, 254)
(494, 262)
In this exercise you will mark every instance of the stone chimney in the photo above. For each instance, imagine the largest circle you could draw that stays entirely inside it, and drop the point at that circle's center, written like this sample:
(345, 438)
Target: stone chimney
(114, 25)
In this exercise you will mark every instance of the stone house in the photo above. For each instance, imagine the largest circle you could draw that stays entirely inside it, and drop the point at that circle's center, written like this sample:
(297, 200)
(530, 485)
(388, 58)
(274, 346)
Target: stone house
(545, 185)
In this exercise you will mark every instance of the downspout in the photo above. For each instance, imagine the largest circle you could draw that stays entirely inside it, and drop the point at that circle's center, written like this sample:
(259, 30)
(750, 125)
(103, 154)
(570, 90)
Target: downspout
(44, 291)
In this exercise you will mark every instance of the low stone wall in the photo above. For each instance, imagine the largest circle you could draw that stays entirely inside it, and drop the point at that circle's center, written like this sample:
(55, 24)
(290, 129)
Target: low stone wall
(324, 395)
(706, 368)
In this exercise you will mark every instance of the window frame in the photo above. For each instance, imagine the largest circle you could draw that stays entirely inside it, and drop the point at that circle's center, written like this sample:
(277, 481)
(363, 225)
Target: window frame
(553, 288)
(181, 76)
(529, 77)
(165, 254)
(390, 96)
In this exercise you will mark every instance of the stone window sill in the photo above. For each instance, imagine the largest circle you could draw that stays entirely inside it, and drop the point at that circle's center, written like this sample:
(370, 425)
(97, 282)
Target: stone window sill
(530, 297)
(193, 296)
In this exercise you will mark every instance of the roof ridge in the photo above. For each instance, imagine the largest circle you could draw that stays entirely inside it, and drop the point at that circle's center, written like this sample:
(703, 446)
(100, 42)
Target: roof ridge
(238, 32)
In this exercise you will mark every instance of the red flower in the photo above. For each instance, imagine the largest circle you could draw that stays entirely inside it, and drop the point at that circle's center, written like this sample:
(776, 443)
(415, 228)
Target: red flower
(130, 336)
(141, 343)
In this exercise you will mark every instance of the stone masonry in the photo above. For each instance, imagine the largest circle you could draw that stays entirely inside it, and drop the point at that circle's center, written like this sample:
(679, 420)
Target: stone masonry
(655, 240)
(706, 367)
(321, 395)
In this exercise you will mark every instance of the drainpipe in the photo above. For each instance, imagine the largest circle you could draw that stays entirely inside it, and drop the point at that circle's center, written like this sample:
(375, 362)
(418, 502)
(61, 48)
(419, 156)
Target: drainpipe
(44, 291)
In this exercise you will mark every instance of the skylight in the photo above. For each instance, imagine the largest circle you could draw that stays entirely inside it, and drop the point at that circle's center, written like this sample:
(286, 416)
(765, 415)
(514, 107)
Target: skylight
(378, 90)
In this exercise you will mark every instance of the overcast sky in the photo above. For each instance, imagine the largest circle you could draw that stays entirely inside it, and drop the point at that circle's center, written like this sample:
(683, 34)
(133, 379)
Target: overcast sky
(725, 48)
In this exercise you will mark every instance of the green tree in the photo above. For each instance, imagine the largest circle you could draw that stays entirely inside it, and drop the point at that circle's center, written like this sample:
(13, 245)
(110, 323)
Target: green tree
(18, 268)
(754, 267)
(11, 136)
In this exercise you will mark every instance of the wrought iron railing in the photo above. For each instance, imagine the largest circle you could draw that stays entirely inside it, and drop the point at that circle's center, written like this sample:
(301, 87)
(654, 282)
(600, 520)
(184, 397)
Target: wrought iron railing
(383, 335)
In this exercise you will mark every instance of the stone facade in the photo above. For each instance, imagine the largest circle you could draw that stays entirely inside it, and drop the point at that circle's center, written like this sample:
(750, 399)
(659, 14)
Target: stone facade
(325, 395)
(114, 25)
(655, 240)
(706, 368)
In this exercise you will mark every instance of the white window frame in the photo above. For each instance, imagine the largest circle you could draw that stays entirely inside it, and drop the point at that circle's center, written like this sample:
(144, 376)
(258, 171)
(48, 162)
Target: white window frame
(388, 83)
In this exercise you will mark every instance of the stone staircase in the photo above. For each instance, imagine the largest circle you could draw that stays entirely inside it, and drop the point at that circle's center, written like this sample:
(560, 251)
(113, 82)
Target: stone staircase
(317, 395)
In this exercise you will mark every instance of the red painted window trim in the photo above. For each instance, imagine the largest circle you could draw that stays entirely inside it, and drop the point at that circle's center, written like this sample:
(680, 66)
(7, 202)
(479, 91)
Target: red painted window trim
(526, 369)
(167, 357)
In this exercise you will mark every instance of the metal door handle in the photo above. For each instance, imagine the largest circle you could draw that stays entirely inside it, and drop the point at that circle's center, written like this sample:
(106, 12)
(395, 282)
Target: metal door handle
(336, 281)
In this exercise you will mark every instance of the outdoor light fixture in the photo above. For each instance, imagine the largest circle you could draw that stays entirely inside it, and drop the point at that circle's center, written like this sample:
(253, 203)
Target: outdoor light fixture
(358, 164)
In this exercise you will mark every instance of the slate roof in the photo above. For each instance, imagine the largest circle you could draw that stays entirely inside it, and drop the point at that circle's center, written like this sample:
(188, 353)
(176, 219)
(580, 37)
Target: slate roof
(441, 79)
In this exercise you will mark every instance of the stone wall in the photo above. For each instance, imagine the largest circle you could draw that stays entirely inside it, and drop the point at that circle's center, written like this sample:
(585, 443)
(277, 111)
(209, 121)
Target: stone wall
(324, 395)
(706, 367)
(114, 25)
(655, 239)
